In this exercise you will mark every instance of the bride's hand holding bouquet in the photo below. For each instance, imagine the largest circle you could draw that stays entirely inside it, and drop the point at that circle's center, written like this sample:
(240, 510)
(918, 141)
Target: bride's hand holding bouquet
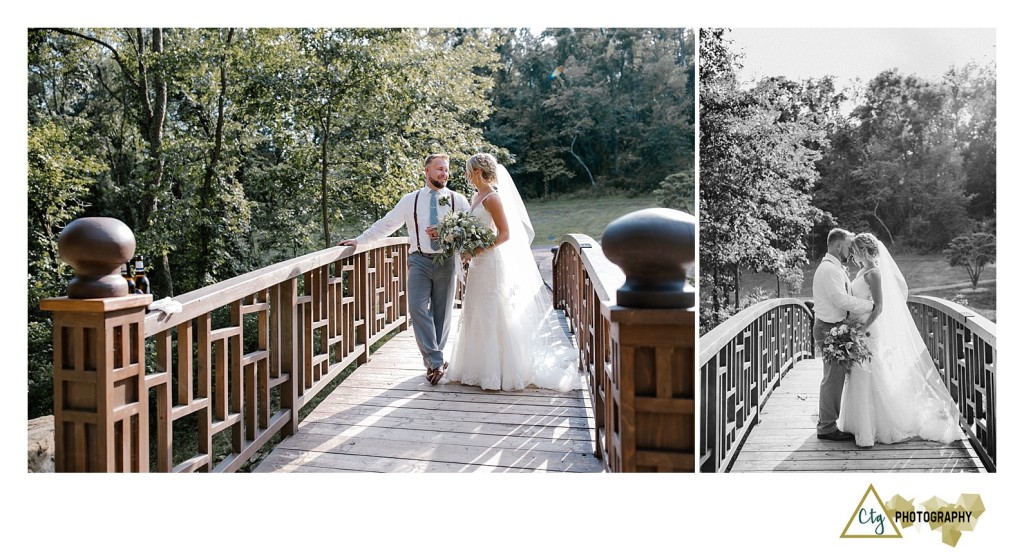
(845, 344)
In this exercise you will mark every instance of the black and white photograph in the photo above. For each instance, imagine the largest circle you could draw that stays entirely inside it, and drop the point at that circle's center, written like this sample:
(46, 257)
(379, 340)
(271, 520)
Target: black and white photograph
(847, 201)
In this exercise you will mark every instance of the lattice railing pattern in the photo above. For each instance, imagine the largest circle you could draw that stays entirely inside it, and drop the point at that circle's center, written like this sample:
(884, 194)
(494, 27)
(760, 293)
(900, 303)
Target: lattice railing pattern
(741, 362)
(290, 330)
(639, 364)
(963, 346)
(237, 363)
(577, 293)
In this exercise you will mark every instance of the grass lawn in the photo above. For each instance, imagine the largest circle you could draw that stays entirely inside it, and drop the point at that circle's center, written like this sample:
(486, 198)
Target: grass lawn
(982, 301)
(921, 271)
(551, 219)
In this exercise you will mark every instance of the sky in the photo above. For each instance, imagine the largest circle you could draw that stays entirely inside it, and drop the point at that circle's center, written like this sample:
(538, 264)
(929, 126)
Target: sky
(849, 53)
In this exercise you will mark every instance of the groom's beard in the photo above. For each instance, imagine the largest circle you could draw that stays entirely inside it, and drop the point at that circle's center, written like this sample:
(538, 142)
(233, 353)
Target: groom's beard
(438, 185)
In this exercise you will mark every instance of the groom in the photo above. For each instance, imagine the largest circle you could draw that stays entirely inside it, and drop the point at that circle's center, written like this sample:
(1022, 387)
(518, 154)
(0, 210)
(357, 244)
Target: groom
(832, 304)
(431, 285)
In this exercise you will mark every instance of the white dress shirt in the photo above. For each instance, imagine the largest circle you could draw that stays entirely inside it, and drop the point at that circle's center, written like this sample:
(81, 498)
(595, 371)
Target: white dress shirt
(832, 299)
(402, 213)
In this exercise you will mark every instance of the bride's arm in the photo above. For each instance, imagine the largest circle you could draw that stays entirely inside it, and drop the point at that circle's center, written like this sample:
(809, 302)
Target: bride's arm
(874, 280)
(493, 206)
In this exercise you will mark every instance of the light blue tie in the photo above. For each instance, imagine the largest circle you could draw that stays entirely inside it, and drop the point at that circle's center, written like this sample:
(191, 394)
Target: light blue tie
(434, 244)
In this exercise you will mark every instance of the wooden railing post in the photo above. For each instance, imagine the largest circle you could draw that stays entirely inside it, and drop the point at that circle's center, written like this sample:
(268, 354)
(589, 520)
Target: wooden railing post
(649, 417)
(287, 303)
(364, 305)
(101, 414)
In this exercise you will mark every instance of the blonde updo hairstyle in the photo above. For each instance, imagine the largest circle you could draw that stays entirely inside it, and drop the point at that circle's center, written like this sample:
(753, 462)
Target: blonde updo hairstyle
(487, 165)
(867, 244)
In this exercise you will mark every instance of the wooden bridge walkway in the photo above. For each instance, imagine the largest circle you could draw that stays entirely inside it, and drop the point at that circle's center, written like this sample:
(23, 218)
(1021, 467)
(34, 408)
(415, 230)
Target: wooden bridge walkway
(785, 439)
(385, 417)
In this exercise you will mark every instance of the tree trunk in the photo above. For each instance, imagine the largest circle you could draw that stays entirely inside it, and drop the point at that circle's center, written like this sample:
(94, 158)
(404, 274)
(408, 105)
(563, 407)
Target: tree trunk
(593, 185)
(736, 283)
(884, 227)
(715, 304)
(323, 177)
(205, 232)
(152, 113)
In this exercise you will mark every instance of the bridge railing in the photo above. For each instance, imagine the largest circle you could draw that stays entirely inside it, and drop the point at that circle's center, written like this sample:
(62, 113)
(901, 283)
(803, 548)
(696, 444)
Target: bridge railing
(239, 360)
(963, 345)
(638, 359)
(583, 279)
(741, 362)
(241, 357)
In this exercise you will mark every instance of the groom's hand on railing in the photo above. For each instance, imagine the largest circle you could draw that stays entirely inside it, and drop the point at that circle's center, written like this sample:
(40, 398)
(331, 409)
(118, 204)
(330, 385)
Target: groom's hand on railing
(347, 242)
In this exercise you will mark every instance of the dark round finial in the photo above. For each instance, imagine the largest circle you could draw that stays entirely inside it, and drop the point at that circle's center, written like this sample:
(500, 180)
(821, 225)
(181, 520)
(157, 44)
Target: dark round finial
(655, 249)
(96, 247)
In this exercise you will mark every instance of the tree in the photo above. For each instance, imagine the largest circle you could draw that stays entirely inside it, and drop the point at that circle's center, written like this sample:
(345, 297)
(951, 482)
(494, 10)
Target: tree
(228, 149)
(595, 107)
(677, 191)
(915, 160)
(972, 251)
(758, 151)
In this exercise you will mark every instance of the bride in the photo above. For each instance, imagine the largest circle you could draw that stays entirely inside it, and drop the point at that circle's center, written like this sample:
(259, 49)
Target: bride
(507, 340)
(897, 394)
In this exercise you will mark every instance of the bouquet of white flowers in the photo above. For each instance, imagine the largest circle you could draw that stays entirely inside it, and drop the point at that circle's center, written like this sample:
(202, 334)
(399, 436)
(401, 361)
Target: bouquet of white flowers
(461, 232)
(844, 344)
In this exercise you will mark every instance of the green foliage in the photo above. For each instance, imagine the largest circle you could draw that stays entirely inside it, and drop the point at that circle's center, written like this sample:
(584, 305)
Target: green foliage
(677, 191)
(972, 251)
(225, 150)
(40, 368)
(586, 108)
(60, 171)
(228, 149)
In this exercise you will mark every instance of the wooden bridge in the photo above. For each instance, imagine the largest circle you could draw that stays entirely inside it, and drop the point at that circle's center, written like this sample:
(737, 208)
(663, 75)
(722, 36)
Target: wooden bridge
(238, 370)
(386, 417)
(759, 394)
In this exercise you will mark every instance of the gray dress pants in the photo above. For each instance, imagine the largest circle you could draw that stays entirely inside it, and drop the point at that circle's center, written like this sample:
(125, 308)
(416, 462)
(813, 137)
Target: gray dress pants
(431, 295)
(832, 382)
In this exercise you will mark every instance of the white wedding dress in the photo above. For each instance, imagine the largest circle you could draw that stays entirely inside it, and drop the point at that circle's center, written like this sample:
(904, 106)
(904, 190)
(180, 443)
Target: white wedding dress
(508, 336)
(898, 394)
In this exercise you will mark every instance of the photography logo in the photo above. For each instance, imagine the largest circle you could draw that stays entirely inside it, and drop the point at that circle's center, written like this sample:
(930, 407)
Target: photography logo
(871, 520)
(874, 519)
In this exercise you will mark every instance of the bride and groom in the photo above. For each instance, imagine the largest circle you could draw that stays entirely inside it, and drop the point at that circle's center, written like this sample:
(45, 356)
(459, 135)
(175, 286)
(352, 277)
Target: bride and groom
(897, 393)
(505, 338)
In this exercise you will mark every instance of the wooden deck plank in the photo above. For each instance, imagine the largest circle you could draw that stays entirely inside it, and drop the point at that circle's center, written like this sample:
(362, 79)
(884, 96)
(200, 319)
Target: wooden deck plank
(314, 462)
(385, 417)
(785, 439)
(465, 438)
(343, 402)
(557, 460)
(484, 428)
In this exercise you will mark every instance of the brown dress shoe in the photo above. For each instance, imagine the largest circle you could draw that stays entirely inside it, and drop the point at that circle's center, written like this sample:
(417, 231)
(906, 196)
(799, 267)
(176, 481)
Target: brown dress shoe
(435, 375)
